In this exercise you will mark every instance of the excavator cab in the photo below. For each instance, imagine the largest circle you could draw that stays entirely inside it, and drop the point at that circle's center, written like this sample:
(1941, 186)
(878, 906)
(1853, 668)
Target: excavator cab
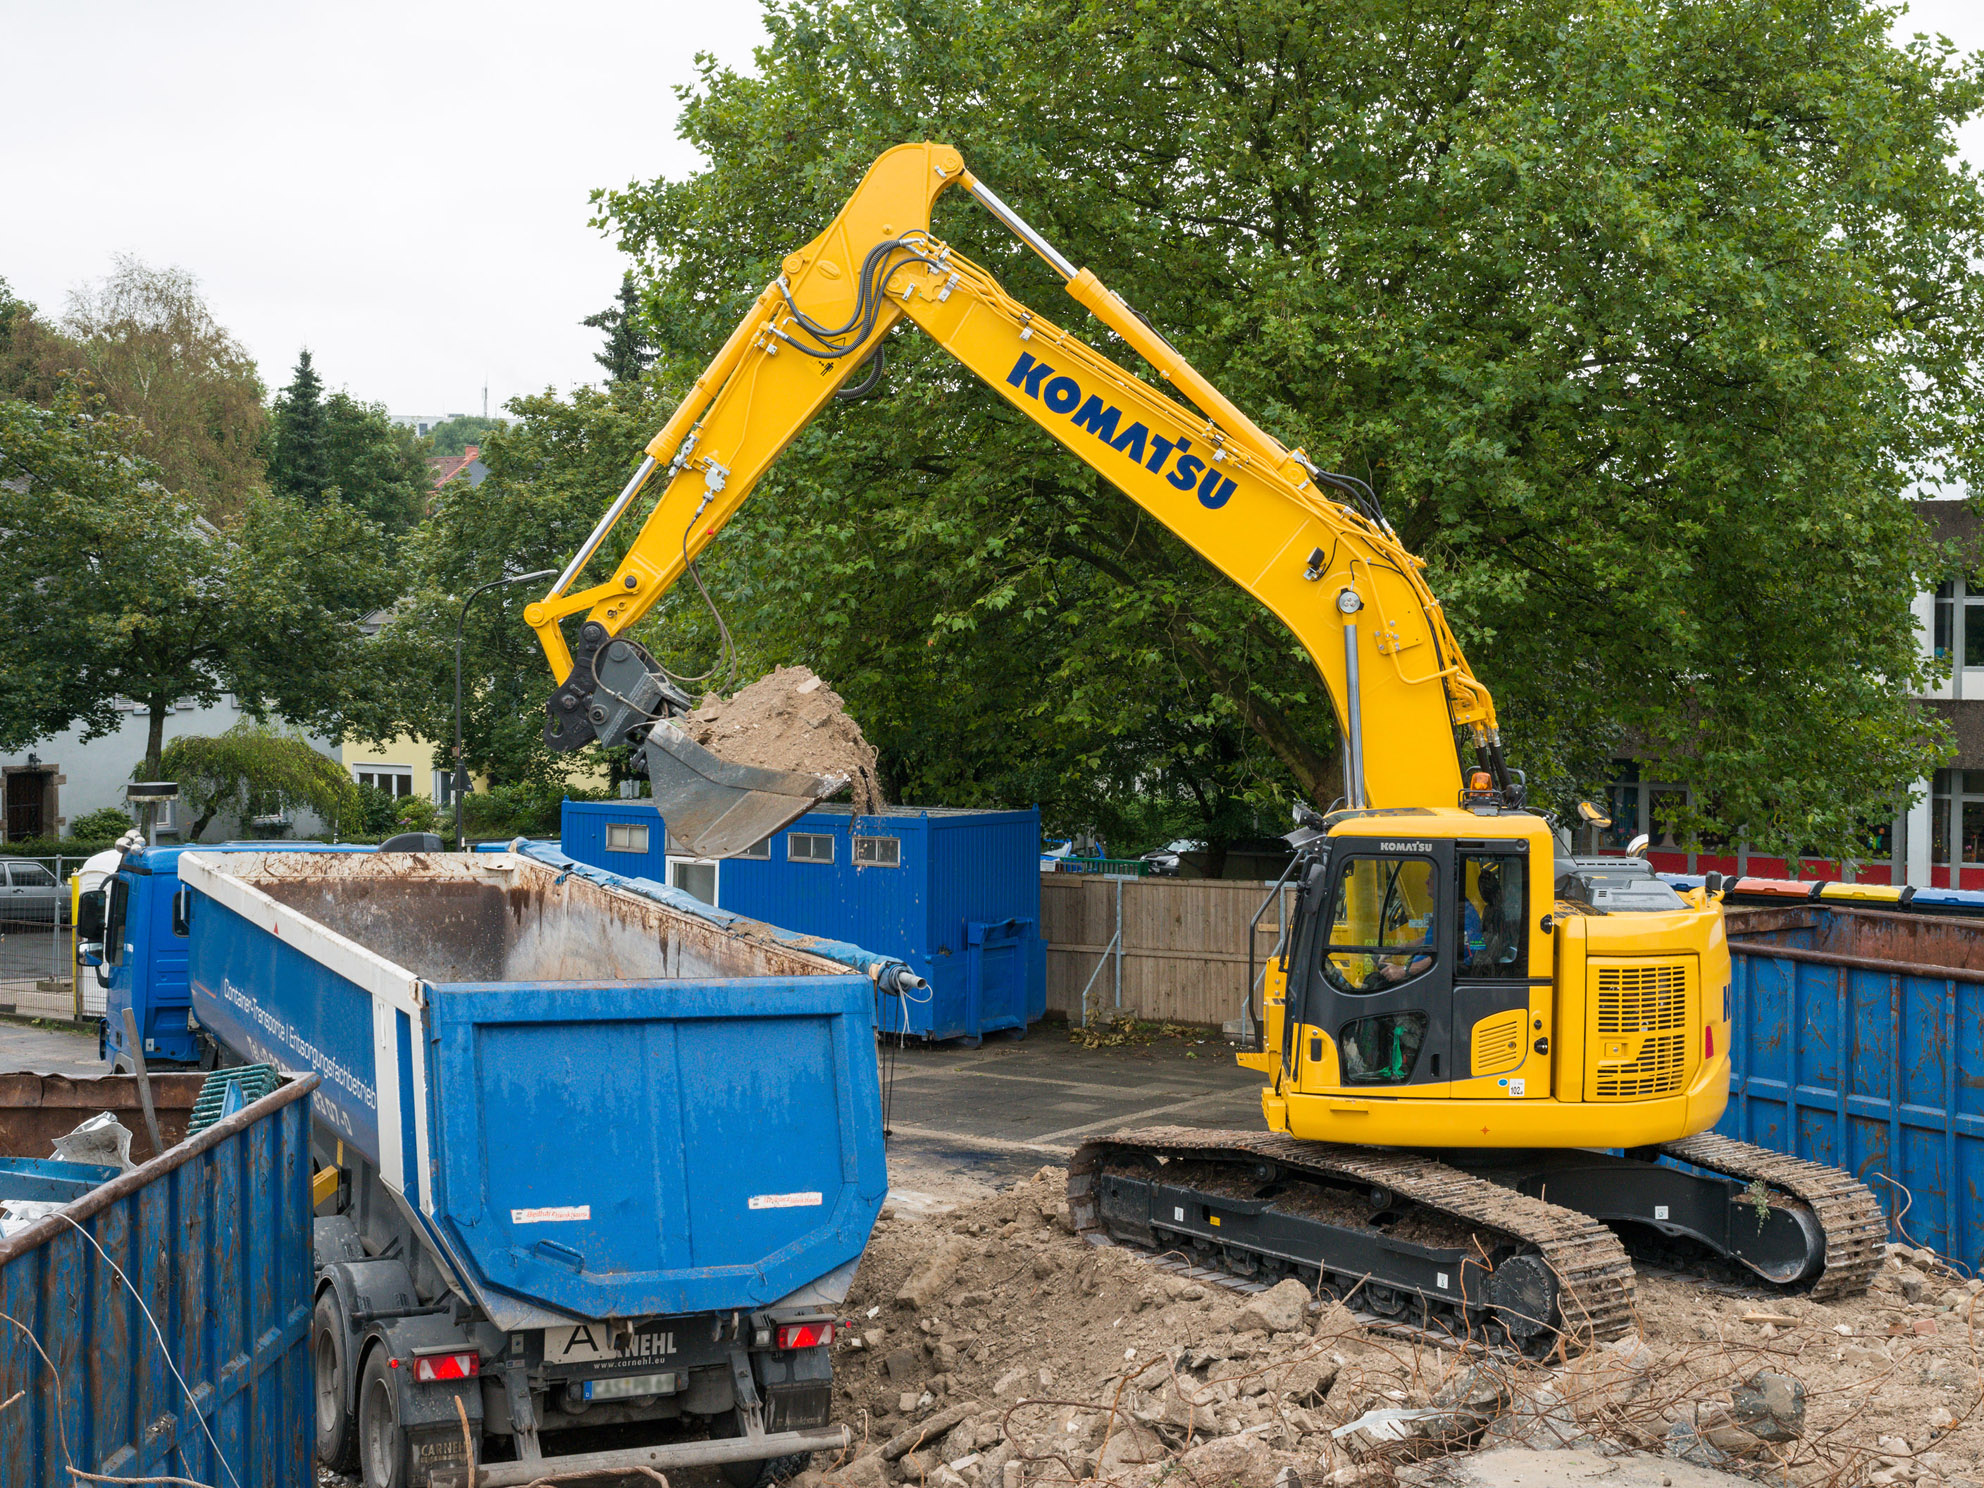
(1453, 978)
(1416, 966)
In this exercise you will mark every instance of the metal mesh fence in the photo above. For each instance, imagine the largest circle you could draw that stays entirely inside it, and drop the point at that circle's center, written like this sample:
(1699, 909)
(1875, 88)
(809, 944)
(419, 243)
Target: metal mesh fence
(36, 954)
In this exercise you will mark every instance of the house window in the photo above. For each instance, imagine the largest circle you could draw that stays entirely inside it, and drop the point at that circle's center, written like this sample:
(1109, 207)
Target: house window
(878, 852)
(1945, 620)
(627, 837)
(1956, 812)
(809, 847)
(394, 780)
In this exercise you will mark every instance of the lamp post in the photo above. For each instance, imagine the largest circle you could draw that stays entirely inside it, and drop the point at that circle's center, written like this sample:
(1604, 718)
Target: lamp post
(460, 780)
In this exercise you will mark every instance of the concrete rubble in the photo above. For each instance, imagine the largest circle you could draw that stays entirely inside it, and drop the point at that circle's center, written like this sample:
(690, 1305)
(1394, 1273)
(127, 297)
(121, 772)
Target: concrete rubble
(992, 1348)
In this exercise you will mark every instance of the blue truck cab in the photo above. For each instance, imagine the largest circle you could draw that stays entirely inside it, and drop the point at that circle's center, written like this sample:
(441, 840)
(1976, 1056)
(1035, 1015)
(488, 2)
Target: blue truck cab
(132, 937)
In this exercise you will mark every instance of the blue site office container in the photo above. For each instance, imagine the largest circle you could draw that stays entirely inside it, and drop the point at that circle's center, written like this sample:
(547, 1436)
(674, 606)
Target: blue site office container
(1858, 1041)
(214, 1236)
(954, 893)
(624, 837)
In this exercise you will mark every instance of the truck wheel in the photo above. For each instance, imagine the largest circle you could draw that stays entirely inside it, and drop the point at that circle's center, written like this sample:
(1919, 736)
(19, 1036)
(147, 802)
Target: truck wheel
(337, 1434)
(383, 1457)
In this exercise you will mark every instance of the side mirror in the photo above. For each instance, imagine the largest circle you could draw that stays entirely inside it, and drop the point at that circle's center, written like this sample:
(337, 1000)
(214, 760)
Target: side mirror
(1714, 883)
(1591, 816)
(89, 915)
(182, 913)
(1638, 846)
(89, 953)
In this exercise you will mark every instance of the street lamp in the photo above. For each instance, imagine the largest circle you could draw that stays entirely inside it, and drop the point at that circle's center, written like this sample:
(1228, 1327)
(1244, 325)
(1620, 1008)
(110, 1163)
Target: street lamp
(461, 774)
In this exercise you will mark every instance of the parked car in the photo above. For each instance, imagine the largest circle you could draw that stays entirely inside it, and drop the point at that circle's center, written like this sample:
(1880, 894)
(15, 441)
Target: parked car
(1164, 860)
(32, 895)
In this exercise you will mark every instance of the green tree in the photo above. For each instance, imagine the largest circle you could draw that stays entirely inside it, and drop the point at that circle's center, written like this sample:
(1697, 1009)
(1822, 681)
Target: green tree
(628, 352)
(548, 471)
(116, 586)
(145, 340)
(33, 353)
(334, 447)
(375, 466)
(253, 770)
(1640, 320)
(300, 436)
(454, 436)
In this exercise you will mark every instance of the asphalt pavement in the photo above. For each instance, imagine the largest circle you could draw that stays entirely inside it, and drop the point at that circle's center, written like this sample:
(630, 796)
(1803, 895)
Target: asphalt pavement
(963, 1122)
(46, 1051)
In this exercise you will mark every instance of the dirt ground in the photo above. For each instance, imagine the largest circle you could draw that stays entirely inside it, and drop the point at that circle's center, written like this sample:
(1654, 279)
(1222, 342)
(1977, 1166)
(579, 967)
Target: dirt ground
(1025, 1354)
(789, 720)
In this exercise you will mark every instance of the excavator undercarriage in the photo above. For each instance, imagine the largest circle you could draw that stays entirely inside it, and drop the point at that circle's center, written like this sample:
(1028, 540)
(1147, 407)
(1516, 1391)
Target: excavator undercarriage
(1471, 1245)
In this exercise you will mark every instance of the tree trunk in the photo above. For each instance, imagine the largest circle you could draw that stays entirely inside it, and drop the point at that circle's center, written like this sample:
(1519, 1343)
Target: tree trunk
(159, 705)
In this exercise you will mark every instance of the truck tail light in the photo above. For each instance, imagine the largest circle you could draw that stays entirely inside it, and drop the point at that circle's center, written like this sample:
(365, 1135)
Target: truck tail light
(805, 1335)
(433, 1368)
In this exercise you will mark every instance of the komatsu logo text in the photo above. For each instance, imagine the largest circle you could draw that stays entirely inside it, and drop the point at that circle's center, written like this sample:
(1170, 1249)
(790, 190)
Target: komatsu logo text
(1059, 393)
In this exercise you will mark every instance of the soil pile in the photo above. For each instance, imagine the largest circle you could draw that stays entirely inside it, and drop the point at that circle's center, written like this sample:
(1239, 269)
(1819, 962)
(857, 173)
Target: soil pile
(789, 720)
(991, 1348)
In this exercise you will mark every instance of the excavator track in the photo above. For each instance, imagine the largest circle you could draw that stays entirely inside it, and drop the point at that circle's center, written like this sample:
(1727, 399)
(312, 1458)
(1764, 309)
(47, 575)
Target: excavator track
(1542, 1271)
(1855, 1229)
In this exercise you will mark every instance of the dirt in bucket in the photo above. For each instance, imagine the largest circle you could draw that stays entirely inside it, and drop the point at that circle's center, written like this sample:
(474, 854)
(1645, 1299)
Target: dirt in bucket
(789, 720)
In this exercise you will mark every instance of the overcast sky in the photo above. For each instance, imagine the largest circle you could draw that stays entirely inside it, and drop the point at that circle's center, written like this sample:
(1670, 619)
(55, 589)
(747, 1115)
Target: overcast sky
(401, 187)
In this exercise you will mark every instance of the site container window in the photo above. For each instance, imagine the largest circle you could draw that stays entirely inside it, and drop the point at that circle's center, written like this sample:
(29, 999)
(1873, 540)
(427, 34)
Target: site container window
(809, 847)
(762, 848)
(698, 880)
(878, 852)
(626, 837)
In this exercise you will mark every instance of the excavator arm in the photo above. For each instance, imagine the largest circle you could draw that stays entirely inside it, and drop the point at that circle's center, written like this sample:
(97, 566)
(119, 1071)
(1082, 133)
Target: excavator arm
(1312, 547)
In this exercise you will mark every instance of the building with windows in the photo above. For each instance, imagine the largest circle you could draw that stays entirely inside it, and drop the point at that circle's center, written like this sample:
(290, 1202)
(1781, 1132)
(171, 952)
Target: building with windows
(1915, 847)
(66, 776)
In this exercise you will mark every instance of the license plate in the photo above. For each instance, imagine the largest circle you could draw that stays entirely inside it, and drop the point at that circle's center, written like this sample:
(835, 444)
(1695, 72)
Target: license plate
(621, 1387)
(597, 1343)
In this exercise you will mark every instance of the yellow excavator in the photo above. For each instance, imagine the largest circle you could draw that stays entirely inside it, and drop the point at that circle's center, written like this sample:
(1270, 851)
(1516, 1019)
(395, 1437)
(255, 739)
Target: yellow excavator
(1491, 1067)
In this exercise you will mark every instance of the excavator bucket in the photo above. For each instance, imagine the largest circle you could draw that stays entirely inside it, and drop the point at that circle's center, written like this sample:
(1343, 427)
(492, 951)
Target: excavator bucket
(717, 809)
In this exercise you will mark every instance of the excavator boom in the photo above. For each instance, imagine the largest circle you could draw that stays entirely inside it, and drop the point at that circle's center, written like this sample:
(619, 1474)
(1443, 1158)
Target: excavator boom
(1311, 547)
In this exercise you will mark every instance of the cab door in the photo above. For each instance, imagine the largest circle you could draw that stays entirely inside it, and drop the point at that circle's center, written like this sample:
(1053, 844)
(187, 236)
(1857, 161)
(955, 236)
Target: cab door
(1494, 1027)
(1376, 973)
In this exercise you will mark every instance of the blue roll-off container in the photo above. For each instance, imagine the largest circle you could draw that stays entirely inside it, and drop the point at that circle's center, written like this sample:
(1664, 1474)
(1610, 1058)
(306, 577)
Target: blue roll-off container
(954, 893)
(213, 1236)
(1858, 1041)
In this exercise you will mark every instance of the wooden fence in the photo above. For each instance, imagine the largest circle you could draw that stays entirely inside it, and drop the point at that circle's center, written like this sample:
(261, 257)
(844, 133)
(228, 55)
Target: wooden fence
(1172, 949)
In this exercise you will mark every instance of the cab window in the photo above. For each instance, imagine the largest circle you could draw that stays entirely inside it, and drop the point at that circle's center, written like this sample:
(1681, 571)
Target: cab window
(113, 922)
(1492, 889)
(1381, 924)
